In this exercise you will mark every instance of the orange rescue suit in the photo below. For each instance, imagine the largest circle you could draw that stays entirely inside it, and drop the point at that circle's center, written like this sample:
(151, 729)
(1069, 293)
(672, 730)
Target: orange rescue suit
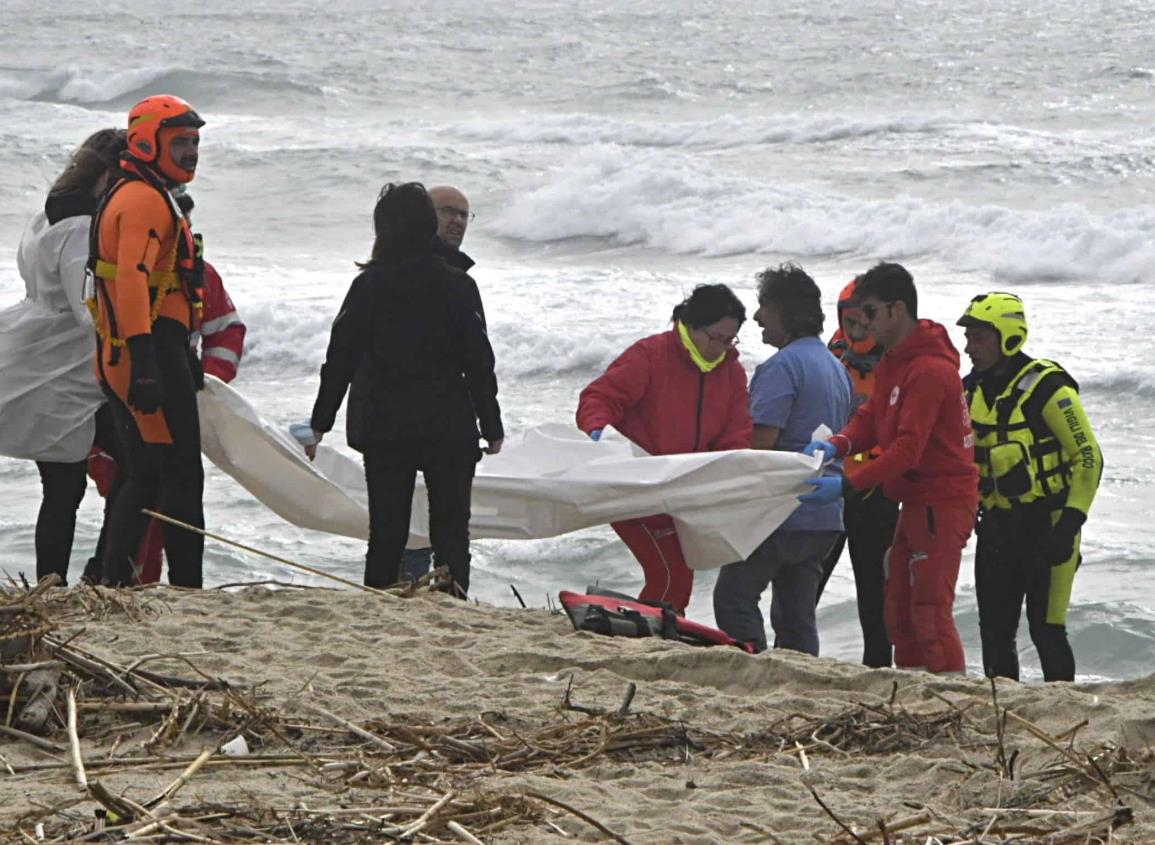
(860, 364)
(139, 234)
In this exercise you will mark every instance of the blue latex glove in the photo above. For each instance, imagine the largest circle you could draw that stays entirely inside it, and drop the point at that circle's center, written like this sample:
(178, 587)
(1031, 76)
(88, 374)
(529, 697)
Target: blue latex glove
(596, 435)
(828, 450)
(827, 489)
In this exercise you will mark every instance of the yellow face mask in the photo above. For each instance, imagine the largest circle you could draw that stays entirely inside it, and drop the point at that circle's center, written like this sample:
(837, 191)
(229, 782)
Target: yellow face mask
(702, 364)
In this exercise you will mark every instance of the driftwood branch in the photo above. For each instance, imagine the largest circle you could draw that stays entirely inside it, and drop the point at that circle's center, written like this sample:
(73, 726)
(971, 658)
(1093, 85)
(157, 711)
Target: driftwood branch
(590, 820)
(74, 745)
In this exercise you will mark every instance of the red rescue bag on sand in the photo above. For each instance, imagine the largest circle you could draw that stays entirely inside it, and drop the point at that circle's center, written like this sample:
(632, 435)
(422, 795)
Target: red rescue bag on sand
(616, 615)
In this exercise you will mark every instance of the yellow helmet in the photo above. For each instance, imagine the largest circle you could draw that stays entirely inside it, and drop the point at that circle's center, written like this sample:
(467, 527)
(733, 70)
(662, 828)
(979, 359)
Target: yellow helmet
(1003, 312)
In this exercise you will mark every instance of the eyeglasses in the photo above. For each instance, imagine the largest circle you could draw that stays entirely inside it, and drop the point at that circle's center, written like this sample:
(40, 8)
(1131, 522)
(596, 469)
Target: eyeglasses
(871, 311)
(732, 340)
(451, 212)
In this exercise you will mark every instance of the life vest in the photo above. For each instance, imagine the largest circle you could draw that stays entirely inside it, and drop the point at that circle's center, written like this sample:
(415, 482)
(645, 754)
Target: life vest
(185, 271)
(615, 615)
(1018, 463)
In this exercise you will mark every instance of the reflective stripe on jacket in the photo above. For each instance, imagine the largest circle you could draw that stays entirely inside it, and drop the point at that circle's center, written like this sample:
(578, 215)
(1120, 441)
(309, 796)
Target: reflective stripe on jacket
(222, 332)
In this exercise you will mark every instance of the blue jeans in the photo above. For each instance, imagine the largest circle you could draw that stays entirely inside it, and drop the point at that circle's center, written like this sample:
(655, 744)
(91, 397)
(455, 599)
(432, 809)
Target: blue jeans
(416, 562)
(792, 562)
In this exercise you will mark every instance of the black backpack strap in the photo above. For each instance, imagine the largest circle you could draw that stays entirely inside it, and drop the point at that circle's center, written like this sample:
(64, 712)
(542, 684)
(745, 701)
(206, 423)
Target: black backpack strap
(613, 623)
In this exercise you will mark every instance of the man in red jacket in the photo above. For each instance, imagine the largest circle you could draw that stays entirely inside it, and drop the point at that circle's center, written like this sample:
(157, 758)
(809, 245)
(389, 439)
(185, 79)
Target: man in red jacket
(918, 415)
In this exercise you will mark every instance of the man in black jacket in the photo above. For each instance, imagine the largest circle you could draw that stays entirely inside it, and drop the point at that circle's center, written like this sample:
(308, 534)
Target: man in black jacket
(453, 218)
(411, 345)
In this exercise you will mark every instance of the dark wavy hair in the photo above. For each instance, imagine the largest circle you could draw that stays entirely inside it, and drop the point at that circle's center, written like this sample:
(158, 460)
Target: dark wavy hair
(797, 296)
(706, 305)
(99, 153)
(404, 223)
(889, 283)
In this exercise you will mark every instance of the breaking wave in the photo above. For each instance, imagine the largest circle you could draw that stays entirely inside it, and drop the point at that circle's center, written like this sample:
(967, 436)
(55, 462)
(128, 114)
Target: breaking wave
(678, 204)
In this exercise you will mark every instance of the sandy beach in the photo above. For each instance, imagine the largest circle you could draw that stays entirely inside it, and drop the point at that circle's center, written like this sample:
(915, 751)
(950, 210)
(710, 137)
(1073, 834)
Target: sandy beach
(715, 746)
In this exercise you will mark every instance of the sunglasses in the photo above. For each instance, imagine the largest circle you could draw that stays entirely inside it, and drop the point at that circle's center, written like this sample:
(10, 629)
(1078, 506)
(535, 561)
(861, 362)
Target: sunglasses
(871, 311)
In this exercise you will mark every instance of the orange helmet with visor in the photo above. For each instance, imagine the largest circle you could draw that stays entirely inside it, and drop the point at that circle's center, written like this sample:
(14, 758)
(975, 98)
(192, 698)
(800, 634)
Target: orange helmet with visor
(153, 122)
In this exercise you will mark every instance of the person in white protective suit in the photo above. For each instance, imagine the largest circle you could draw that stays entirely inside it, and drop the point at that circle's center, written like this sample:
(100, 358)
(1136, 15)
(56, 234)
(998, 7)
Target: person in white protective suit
(50, 400)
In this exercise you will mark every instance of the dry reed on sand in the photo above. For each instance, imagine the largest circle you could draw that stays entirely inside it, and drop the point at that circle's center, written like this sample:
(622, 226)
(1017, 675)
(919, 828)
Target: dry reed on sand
(394, 779)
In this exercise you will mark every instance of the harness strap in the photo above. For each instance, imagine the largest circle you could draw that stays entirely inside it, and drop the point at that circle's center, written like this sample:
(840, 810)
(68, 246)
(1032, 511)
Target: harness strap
(168, 279)
(187, 251)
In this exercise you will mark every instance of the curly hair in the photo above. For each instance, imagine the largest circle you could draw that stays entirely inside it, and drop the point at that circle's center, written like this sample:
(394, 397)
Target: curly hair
(796, 294)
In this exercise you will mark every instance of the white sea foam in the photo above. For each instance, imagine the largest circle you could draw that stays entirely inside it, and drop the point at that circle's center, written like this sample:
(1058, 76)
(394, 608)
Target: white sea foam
(286, 341)
(679, 204)
(722, 132)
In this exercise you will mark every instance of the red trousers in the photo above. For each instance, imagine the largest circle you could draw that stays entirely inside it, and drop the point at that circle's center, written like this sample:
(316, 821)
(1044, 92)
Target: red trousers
(921, 570)
(654, 542)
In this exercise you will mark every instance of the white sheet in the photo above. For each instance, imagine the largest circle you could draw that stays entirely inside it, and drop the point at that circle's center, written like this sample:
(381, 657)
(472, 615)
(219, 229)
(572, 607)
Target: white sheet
(547, 481)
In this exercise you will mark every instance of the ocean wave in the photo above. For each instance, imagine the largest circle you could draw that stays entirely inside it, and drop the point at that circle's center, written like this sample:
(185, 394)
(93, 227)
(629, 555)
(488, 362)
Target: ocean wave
(719, 133)
(1112, 640)
(526, 352)
(283, 338)
(292, 341)
(95, 89)
(1136, 387)
(677, 204)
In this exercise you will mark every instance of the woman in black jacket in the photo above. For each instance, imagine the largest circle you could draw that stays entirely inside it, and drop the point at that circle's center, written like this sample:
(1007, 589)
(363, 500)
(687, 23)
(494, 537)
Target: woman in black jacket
(409, 340)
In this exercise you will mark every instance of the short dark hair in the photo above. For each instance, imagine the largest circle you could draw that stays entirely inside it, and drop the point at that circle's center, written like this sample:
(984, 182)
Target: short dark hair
(888, 282)
(708, 304)
(404, 222)
(797, 295)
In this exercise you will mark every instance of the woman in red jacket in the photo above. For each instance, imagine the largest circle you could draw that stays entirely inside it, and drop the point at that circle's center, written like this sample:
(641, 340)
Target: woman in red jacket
(679, 391)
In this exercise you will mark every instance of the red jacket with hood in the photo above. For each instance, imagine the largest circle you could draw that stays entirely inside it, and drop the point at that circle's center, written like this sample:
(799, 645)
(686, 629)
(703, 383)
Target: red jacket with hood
(918, 414)
(655, 395)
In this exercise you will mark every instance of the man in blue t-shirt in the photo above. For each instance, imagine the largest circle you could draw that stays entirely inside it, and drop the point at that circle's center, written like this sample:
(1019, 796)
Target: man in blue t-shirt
(799, 388)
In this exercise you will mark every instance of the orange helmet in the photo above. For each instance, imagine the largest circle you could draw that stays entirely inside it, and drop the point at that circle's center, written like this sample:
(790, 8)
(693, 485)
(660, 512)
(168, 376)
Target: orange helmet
(145, 124)
(848, 301)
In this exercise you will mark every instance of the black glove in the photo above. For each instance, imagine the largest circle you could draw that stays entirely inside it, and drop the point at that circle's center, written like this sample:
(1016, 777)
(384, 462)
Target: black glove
(196, 368)
(145, 391)
(1059, 544)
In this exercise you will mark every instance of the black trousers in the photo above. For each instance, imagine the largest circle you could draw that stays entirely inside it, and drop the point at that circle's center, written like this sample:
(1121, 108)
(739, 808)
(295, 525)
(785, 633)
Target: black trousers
(390, 474)
(168, 477)
(1007, 571)
(870, 523)
(62, 486)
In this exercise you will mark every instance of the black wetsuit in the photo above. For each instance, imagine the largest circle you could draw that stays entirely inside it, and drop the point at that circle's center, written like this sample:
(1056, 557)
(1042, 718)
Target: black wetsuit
(870, 520)
(168, 477)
